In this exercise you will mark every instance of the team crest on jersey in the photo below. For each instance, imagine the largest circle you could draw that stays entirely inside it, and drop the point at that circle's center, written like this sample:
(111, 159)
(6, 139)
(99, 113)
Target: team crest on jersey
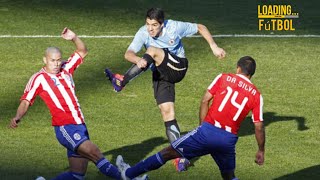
(171, 42)
(76, 136)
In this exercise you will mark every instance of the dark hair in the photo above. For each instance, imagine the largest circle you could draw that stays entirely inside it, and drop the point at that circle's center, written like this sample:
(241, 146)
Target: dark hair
(156, 14)
(247, 65)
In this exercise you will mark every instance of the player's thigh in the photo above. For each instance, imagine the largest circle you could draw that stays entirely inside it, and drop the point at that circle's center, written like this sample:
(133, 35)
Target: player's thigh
(224, 153)
(158, 54)
(173, 68)
(226, 161)
(78, 165)
(71, 136)
(191, 145)
(164, 91)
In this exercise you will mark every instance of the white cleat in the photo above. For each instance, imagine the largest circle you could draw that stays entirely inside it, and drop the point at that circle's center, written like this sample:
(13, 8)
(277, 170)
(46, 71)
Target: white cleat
(40, 178)
(123, 166)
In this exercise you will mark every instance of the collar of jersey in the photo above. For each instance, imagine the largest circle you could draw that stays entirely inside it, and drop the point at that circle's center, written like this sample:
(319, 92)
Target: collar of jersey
(243, 77)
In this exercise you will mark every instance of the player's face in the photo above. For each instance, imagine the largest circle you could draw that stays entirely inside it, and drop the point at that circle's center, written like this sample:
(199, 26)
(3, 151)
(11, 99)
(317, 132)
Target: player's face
(53, 63)
(154, 27)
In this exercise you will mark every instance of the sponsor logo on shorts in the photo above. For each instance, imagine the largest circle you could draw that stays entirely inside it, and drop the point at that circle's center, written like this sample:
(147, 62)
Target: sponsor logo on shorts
(77, 136)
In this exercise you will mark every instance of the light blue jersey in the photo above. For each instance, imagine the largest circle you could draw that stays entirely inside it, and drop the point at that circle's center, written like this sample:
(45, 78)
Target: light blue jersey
(172, 33)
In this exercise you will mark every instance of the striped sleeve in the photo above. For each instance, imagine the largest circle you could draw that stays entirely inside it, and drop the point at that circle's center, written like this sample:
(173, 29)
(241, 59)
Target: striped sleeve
(73, 63)
(257, 111)
(213, 87)
(33, 88)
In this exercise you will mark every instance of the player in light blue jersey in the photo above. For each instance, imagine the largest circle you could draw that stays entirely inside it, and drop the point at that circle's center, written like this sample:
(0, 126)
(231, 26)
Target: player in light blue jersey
(165, 54)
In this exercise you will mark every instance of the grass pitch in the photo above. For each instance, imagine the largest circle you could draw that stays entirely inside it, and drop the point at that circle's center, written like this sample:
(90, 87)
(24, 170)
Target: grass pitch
(129, 123)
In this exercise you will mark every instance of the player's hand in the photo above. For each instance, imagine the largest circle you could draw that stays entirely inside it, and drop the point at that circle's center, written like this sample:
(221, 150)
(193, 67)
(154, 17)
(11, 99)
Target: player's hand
(67, 34)
(142, 63)
(259, 158)
(14, 123)
(218, 52)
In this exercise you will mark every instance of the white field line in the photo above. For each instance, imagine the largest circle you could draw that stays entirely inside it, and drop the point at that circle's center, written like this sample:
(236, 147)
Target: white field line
(195, 36)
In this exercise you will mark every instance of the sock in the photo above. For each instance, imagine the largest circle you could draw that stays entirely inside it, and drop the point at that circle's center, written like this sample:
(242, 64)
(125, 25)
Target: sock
(149, 164)
(70, 176)
(134, 71)
(172, 130)
(108, 169)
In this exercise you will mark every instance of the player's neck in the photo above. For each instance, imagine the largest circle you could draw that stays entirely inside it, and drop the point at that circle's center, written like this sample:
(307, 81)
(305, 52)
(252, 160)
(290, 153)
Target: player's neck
(249, 77)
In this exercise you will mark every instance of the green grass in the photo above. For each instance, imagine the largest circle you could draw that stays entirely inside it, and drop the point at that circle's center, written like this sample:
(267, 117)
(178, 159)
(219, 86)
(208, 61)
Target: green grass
(129, 122)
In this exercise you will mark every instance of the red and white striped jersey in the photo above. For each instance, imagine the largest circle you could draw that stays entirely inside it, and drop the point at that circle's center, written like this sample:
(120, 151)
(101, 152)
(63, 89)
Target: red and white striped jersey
(58, 92)
(234, 97)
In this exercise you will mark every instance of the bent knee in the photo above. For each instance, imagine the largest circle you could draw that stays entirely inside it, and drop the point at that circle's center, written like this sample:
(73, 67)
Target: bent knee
(166, 110)
(90, 151)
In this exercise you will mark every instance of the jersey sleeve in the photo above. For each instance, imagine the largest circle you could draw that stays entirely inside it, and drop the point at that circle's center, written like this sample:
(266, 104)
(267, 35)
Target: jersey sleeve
(73, 63)
(138, 40)
(33, 88)
(214, 86)
(186, 29)
(257, 111)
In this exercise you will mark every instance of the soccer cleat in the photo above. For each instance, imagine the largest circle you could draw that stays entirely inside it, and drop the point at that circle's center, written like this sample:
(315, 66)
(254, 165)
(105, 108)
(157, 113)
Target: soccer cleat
(117, 82)
(40, 178)
(181, 164)
(109, 74)
(122, 166)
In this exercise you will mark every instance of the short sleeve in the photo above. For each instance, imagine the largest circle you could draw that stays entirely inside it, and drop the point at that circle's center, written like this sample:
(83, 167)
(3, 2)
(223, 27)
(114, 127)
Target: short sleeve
(33, 88)
(73, 63)
(186, 29)
(257, 111)
(138, 40)
(214, 86)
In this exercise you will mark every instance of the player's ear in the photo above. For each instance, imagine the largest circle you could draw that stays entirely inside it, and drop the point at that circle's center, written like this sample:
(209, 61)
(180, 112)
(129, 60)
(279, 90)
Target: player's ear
(239, 70)
(44, 60)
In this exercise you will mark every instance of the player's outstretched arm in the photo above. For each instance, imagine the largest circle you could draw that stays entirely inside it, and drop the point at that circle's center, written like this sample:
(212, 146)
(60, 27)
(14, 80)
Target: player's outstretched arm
(22, 109)
(217, 51)
(260, 137)
(204, 106)
(67, 34)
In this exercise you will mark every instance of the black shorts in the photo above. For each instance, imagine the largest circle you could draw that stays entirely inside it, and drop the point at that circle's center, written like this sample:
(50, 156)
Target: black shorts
(163, 91)
(170, 71)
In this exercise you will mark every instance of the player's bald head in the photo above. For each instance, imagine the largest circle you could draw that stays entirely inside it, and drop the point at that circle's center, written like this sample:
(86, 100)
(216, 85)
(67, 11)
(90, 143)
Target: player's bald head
(52, 50)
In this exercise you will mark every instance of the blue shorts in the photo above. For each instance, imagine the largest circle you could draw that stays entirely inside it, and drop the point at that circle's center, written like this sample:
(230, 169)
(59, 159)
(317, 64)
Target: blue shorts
(208, 139)
(71, 136)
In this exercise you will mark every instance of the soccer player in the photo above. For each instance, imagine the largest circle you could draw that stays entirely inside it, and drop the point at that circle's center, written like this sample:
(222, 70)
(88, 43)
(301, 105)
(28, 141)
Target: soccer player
(233, 96)
(54, 84)
(165, 54)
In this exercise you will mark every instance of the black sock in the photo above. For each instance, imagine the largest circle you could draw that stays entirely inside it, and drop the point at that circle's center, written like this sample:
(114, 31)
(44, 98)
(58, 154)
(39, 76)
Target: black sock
(134, 71)
(172, 130)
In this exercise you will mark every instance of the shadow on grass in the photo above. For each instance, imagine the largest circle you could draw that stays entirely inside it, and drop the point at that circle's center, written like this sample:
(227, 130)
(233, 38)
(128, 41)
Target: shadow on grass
(247, 127)
(312, 172)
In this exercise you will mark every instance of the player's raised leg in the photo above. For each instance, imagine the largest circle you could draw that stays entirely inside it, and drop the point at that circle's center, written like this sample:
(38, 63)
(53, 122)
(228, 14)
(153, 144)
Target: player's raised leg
(152, 55)
(76, 139)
